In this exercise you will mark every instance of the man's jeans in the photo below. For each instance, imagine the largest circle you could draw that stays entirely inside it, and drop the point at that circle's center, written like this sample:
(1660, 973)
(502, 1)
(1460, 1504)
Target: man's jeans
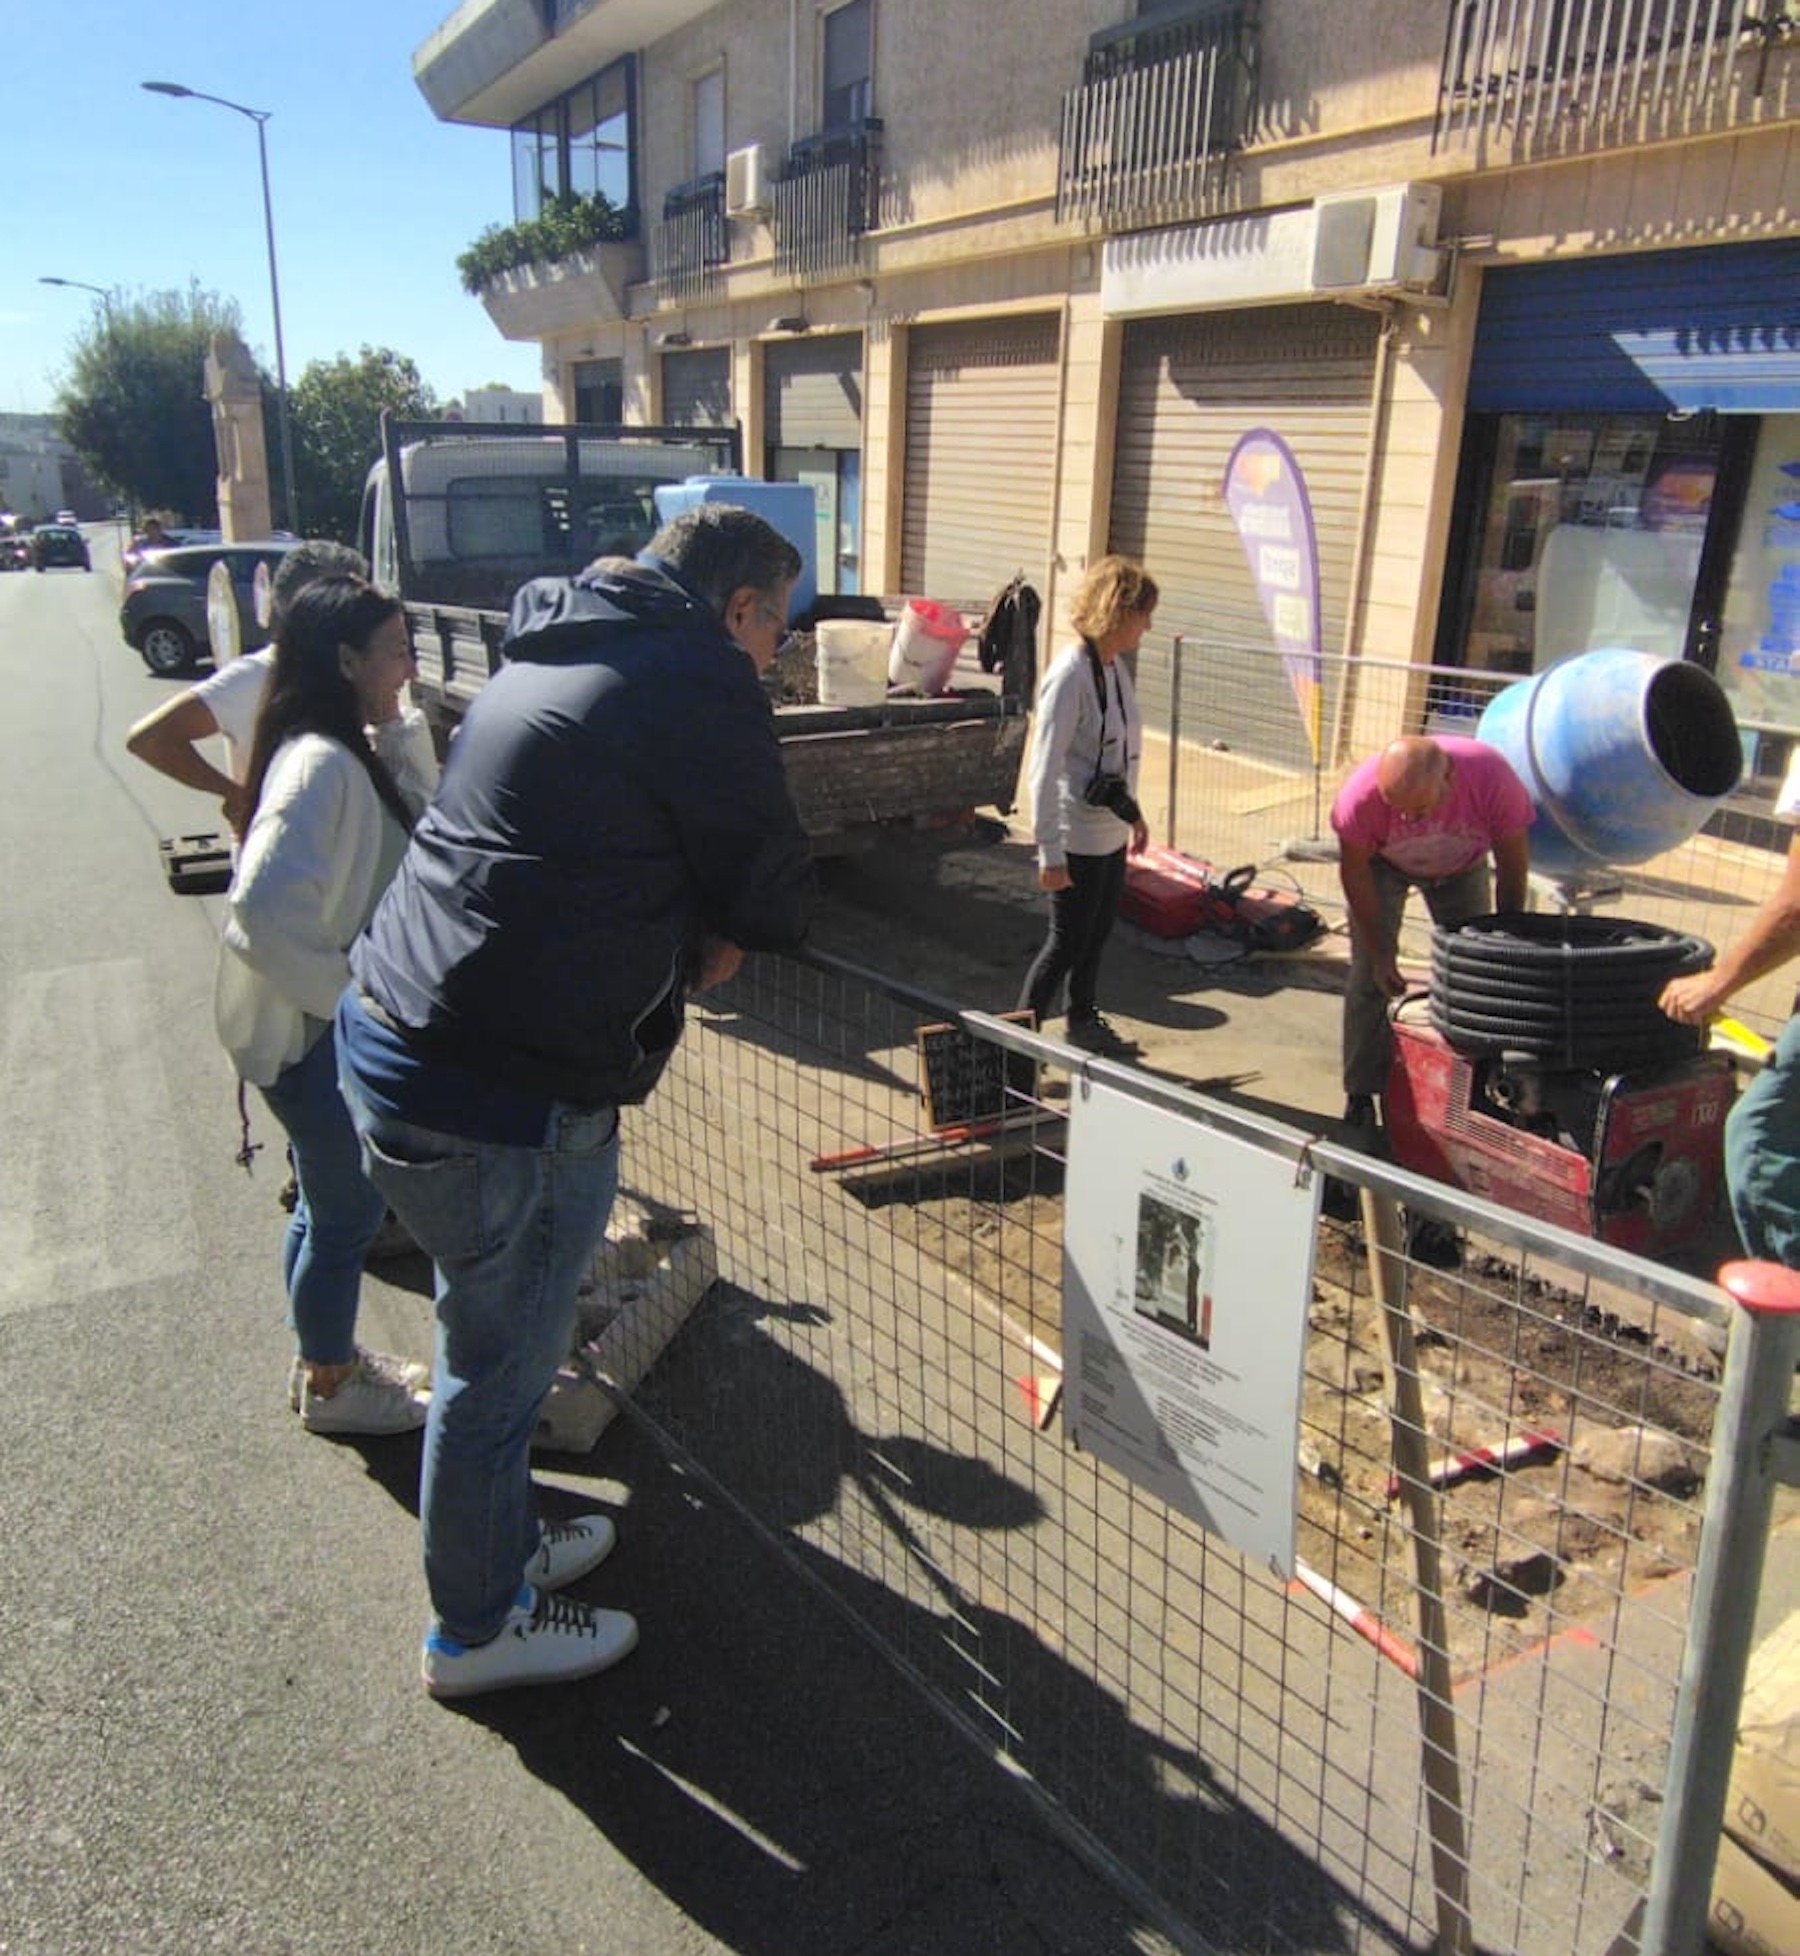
(337, 1214)
(511, 1231)
(1762, 1156)
(1368, 1042)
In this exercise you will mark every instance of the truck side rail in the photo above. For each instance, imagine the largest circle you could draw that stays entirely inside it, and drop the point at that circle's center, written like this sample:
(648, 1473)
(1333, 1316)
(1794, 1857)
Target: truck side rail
(458, 650)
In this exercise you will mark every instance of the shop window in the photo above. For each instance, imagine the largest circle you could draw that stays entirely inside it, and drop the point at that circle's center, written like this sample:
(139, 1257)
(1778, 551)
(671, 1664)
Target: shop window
(1585, 531)
(835, 478)
(1759, 632)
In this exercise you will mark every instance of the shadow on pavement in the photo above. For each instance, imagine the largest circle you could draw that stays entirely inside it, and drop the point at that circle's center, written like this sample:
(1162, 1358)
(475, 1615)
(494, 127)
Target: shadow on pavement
(783, 1785)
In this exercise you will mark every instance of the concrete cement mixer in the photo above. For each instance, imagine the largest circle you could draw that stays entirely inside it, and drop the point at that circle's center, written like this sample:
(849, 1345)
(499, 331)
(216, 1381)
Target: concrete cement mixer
(1547, 1078)
(1625, 756)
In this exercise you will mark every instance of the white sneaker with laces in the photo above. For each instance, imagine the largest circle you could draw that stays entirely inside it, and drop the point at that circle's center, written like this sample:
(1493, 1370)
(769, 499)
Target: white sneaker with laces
(546, 1639)
(567, 1550)
(380, 1395)
(416, 1376)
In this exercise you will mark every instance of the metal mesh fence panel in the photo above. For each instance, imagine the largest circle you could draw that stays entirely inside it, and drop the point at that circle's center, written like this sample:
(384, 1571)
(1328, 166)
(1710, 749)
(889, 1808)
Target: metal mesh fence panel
(874, 1382)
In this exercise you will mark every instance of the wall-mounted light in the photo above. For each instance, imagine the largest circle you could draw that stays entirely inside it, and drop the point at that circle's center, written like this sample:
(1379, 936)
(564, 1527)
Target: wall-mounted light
(676, 338)
(791, 322)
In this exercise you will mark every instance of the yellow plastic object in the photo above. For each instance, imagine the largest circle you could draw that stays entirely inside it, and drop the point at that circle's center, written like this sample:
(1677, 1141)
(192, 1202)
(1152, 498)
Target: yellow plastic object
(1734, 1037)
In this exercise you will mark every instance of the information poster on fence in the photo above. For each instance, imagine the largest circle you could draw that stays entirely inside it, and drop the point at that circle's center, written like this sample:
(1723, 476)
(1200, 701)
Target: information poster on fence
(1187, 1277)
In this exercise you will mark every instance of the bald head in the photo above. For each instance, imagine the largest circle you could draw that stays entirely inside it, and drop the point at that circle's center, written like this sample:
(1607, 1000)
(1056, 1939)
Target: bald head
(1412, 775)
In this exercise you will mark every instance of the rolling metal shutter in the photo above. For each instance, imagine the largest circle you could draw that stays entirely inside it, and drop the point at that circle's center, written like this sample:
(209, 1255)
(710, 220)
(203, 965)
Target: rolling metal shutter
(981, 422)
(813, 392)
(1189, 387)
(1657, 332)
(697, 388)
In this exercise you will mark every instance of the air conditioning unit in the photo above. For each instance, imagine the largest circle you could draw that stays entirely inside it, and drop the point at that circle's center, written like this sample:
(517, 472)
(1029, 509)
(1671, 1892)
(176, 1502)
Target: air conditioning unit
(746, 182)
(1378, 240)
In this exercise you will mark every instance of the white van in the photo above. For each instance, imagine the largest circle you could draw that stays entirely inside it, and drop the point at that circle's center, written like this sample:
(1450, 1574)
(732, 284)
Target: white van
(481, 508)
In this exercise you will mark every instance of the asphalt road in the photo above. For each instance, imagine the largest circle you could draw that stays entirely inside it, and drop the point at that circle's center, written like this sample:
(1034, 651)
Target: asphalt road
(211, 1731)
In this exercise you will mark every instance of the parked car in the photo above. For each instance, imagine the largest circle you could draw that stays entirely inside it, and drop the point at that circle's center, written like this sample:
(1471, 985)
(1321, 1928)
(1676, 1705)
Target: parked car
(59, 543)
(163, 614)
(15, 542)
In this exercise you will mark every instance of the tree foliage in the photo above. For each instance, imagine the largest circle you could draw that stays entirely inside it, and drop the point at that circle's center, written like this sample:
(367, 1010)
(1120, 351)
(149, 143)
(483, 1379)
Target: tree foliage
(335, 408)
(133, 406)
(133, 403)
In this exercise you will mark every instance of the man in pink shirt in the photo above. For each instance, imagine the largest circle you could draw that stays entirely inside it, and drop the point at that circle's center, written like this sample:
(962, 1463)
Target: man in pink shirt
(1447, 817)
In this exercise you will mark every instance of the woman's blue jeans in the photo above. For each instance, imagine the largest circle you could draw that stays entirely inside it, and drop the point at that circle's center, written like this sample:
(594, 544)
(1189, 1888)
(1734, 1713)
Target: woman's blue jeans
(511, 1231)
(338, 1211)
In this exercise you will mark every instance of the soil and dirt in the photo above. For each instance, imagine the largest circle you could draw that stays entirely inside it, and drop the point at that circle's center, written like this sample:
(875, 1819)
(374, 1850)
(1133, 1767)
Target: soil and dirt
(1526, 1553)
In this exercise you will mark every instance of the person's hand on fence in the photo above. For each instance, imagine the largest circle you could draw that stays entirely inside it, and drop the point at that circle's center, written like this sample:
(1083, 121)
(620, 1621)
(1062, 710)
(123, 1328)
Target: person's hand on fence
(716, 963)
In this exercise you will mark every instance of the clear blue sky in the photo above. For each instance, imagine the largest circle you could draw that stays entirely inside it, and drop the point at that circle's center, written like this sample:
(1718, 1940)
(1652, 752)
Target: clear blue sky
(373, 196)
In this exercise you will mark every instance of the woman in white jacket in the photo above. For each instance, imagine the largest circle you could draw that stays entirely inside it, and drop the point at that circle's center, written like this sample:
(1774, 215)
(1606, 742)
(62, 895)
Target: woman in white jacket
(338, 772)
(1081, 795)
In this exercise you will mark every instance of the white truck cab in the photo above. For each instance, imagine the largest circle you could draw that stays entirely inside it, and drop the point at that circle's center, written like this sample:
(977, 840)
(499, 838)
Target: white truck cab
(481, 508)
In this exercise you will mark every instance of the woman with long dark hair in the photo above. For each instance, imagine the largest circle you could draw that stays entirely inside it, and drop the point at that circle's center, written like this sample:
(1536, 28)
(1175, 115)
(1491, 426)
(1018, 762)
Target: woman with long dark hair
(338, 772)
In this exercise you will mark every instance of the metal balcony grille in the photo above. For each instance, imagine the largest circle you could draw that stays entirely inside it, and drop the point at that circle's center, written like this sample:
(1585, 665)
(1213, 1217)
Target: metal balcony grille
(693, 240)
(1537, 78)
(826, 197)
(1164, 103)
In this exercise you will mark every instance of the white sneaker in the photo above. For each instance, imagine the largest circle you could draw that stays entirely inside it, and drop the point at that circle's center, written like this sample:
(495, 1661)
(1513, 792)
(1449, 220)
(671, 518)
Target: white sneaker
(417, 1376)
(545, 1640)
(567, 1550)
(381, 1395)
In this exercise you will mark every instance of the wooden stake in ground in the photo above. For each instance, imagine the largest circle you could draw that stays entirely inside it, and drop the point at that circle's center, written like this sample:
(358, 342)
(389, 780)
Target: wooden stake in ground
(1385, 1236)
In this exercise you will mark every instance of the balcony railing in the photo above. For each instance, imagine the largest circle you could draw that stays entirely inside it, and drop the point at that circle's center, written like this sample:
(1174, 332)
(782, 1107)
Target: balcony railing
(826, 197)
(1539, 78)
(1165, 101)
(693, 241)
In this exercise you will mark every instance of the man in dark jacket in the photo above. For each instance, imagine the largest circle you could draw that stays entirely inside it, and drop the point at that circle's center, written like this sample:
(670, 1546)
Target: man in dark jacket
(613, 830)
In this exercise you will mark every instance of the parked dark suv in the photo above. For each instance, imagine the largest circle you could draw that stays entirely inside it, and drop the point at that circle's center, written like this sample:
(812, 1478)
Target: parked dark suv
(59, 543)
(164, 611)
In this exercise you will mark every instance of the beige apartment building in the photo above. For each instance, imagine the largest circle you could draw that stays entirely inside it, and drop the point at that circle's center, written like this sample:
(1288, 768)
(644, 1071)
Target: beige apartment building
(1514, 288)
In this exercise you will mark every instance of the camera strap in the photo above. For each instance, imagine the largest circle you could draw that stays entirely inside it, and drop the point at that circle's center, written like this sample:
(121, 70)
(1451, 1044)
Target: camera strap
(1097, 666)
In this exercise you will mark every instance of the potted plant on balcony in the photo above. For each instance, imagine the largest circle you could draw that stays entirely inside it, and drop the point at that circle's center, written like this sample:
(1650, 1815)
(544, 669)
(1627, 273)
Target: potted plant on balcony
(566, 227)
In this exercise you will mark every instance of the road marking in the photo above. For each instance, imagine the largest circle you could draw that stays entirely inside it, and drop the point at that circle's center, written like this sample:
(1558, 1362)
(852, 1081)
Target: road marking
(93, 1193)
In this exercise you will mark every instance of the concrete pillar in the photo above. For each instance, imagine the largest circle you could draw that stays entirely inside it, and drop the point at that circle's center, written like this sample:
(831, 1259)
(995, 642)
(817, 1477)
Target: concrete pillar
(234, 388)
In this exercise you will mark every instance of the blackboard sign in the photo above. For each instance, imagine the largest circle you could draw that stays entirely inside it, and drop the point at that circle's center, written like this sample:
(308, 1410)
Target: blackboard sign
(963, 1077)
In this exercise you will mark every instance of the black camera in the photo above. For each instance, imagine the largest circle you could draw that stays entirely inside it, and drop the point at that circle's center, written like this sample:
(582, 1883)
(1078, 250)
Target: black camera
(1112, 792)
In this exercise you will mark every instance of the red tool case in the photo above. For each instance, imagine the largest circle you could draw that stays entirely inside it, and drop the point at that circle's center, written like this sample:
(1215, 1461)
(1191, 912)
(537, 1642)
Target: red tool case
(1172, 895)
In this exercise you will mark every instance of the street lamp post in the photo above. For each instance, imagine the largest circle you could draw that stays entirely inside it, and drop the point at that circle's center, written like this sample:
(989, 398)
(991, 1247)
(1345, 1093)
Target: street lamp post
(99, 291)
(81, 285)
(260, 117)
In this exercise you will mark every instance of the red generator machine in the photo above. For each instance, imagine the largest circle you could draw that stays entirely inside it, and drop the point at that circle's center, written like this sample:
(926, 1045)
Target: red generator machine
(1633, 1158)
